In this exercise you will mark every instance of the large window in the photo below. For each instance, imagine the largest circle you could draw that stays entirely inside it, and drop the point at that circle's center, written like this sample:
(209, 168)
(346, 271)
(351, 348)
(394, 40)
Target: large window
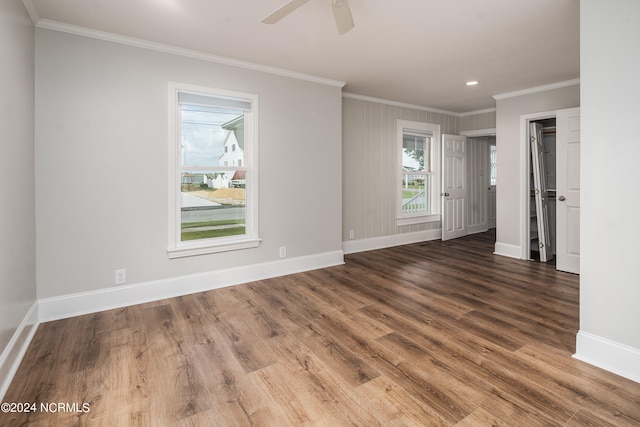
(418, 165)
(212, 155)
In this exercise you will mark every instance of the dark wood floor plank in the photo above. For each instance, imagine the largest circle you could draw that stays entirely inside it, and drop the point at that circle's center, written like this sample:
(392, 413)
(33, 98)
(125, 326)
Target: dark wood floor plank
(434, 333)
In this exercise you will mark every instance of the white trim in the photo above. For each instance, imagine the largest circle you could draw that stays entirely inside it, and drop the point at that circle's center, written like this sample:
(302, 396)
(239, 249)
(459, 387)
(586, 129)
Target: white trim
(537, 89)
(17, 347)
(183, 249)
(609, 355)
(175, 247)
(397, 104)
(109, 298)
(505, 249)
(473, 113)
(160, 47)
(418, 219)
(361, 245)
(477, 228)
(350, 95)
(434, 171)
(479, 132)
(32, 11)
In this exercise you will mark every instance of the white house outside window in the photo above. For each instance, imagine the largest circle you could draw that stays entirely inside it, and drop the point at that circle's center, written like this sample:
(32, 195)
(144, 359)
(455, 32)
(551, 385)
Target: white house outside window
(418, 172)
(213, 170)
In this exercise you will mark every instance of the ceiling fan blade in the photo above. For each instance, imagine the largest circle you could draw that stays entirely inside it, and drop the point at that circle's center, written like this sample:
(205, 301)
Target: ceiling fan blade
(283, 11)
(342, 15)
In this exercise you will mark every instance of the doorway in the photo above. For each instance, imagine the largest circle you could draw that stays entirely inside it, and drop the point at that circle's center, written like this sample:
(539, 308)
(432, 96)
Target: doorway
(560, 148)
(474, 211)
(542, 190)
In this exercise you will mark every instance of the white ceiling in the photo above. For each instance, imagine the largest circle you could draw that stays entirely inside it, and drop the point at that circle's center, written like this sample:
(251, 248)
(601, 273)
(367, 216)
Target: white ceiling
(413, 51)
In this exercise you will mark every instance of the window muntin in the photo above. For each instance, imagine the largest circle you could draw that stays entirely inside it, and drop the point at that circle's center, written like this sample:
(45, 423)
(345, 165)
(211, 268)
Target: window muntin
(213, 194)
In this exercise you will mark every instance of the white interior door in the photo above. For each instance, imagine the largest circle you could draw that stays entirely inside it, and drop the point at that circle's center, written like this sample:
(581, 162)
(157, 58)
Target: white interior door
(568, 190)
(539, 169)
(454, 187)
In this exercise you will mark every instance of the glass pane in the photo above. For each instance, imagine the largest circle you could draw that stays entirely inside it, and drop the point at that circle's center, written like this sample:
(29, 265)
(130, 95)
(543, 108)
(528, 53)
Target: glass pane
(414, 194)
(211, 136)
(494, 169)
(414, 149)
(213, 204)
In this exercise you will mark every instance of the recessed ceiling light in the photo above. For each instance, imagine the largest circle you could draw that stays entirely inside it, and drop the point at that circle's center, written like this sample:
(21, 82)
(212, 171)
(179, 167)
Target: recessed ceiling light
(471, 83)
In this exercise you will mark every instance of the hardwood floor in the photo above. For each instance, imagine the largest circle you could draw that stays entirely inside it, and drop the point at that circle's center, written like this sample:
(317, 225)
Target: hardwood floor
(437, 333)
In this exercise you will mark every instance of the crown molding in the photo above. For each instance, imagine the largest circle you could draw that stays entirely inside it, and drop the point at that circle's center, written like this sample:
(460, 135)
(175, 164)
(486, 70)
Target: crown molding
(159, 47)
(31, 10)
(413, 106)
(537, 89)
(473, 113)
(397, 104)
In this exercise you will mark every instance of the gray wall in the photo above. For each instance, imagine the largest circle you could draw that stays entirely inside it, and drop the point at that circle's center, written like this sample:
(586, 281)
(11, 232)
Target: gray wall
(477, 121)
(508, 145)
(101, 163)
(610, 149)
(369, 175)
(369, 172)
(17, 220)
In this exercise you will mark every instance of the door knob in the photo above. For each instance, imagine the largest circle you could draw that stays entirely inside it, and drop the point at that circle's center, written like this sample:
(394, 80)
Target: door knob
(445, 194)
(562, 198)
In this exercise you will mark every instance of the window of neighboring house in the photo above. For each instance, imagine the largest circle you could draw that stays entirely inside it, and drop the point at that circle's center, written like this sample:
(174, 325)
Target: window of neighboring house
(210, 209)
(418, 189)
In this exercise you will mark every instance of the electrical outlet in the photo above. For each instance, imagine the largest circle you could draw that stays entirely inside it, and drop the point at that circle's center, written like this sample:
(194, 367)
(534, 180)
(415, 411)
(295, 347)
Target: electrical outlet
(121, 276)
(283, 251)
(352, 234)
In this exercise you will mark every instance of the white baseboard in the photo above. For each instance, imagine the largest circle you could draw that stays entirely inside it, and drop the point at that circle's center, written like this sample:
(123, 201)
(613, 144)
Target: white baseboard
(609, 355)
(109, 298)
(504, 249)
(361, 245)
(478, 228)
(16, 348)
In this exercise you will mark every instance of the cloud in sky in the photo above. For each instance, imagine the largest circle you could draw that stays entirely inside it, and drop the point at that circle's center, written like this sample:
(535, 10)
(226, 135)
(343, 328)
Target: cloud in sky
(203, 137)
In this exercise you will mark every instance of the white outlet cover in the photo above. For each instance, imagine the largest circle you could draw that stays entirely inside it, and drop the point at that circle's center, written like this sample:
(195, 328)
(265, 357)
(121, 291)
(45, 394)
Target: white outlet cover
(121, 276)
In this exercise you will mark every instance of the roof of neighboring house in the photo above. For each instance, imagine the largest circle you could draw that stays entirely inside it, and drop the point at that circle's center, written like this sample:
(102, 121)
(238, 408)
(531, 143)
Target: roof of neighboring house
(239, 175)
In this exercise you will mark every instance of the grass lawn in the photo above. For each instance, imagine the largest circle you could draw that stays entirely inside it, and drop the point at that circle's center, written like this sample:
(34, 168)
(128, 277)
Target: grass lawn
(211, 223)
(407, 194)
(208, 234)
(194, 234)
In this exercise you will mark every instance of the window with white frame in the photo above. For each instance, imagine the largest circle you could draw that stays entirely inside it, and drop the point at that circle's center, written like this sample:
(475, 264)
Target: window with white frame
(213, 170)
(418, 172)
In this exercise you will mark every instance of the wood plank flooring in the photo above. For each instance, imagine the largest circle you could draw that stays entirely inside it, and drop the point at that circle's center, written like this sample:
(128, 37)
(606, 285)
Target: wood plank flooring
(430, 334)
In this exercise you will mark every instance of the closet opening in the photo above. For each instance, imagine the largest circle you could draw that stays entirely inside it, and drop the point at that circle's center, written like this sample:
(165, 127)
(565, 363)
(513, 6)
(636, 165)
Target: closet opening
(542, 186)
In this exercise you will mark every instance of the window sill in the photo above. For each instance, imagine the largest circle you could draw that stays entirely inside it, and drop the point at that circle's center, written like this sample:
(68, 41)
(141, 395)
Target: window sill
(198, 248)
(421, 219)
